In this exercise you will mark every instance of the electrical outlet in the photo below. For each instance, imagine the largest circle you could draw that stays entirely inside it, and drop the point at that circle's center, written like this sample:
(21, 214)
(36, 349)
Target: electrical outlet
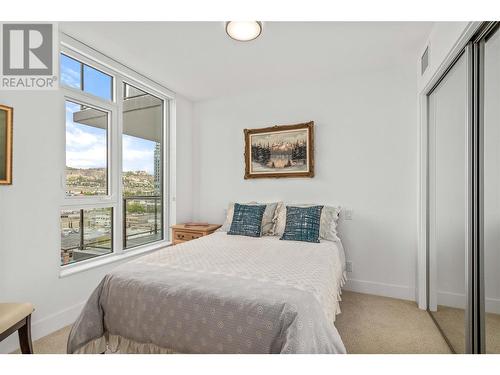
(348, 266)
(348, 214)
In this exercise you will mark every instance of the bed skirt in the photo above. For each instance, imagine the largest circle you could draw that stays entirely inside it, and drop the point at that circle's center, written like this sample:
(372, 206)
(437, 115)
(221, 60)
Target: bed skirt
(117, 344)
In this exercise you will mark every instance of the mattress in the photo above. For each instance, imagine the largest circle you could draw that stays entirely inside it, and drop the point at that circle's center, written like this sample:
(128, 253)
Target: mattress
(218, 294)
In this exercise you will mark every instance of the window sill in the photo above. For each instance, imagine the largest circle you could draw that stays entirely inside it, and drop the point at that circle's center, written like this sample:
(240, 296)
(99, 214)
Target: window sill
(111, 258)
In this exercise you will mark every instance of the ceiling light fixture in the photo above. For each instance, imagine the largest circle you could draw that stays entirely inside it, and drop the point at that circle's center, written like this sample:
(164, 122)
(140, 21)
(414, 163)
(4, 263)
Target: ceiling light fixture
(243, 31)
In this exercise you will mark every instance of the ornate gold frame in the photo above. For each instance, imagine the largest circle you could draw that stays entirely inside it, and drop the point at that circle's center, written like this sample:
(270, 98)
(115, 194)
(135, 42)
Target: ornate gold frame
(8, 147)
(248, 153)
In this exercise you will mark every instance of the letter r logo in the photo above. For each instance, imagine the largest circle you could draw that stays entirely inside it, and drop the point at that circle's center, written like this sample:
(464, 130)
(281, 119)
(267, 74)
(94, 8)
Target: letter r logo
(27, 49)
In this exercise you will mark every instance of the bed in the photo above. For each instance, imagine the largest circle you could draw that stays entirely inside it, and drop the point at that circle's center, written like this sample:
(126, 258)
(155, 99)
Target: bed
(218, 294)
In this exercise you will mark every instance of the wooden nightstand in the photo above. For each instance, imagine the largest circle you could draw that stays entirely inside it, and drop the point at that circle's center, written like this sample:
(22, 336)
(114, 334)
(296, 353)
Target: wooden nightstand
(182, 233)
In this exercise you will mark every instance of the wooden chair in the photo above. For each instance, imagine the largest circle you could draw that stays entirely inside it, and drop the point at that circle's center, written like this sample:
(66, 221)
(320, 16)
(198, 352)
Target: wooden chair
(17, 317)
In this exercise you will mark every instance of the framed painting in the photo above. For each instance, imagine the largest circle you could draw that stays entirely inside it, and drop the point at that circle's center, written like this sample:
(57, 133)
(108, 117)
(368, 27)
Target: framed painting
(5, 145)
(280, 151)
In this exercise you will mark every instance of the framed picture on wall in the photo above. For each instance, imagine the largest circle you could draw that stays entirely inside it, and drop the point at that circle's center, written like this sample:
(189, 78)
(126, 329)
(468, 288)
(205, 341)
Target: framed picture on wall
(5, 145)
(280, 151)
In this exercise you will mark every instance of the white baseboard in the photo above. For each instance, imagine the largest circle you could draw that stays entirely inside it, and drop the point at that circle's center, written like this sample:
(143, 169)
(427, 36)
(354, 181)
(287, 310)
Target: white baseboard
(381, 289)
(450, 299)
(458, 300)
(44, 326)
(492, 305)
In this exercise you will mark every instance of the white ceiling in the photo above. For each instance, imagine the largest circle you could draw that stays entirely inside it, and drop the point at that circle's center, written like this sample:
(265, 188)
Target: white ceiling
(199, 61)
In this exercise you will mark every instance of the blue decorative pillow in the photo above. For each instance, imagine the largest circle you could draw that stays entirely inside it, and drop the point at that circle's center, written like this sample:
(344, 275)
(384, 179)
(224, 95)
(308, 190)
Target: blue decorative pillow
(247, 220)
(302, 224)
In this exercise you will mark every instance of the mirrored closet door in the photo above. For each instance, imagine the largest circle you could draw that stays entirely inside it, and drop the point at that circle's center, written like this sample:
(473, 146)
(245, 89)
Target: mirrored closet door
(447, 250)
(463, 207)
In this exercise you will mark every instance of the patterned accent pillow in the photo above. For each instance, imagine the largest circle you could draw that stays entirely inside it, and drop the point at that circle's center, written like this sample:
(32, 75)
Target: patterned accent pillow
(247, 220)
(302, 224)
(268, 219)
(328, 222)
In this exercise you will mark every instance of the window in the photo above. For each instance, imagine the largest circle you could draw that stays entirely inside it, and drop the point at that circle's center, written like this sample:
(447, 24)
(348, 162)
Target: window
(114, 196)
(71, 71)
(142, 166)
(85, 234)
(86, 78)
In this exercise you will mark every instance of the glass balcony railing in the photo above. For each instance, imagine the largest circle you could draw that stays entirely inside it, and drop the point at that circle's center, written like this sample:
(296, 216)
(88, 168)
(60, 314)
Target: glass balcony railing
(88, 233)
(142, 220)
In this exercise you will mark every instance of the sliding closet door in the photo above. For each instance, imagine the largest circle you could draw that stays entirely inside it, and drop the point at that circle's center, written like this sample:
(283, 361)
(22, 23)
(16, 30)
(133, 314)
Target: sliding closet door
(491, 191)
(448, 124)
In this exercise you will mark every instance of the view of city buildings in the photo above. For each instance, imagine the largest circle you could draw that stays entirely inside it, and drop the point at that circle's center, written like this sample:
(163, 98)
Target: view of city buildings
(85, 234)
(157, 172)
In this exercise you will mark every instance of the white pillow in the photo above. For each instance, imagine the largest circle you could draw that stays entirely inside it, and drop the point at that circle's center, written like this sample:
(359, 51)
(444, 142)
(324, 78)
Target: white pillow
(328, 221)
(267, 218)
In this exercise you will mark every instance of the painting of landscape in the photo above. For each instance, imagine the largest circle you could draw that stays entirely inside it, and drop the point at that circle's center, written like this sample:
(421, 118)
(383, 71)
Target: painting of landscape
(280, 151)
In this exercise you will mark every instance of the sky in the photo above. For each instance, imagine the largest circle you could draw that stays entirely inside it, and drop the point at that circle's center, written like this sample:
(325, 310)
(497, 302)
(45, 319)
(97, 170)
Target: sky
(86, 145)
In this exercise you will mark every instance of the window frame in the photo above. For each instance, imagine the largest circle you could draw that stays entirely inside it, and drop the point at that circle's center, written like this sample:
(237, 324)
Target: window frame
(120, 74)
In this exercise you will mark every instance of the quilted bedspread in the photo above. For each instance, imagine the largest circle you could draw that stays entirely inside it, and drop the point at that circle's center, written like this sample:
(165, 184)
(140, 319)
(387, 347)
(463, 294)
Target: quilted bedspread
(218, 294)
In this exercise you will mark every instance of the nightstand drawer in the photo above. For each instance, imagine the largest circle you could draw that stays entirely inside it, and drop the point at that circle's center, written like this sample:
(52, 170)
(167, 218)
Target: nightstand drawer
(186, 236)
(183, 233)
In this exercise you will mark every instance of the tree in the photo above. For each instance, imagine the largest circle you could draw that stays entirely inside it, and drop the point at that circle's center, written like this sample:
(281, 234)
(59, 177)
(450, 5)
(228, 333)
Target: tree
(136, 208)
(261, 154)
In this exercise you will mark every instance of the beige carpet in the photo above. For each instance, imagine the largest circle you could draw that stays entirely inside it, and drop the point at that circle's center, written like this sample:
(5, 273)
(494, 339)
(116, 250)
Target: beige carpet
(452, 322)
(373, 324)
(368, 324)
(55, 343)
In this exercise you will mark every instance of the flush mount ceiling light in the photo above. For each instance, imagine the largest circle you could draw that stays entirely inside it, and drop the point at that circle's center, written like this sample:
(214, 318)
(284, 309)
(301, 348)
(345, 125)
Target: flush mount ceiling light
(243, 31)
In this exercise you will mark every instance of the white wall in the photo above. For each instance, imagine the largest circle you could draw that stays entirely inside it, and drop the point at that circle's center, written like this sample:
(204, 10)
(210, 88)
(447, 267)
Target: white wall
(365, 159)
(443, 37)
(184, 155)
(29, 212)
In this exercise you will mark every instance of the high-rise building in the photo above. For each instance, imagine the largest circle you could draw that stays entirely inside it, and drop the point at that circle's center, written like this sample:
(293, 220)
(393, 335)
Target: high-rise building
(157, 170)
